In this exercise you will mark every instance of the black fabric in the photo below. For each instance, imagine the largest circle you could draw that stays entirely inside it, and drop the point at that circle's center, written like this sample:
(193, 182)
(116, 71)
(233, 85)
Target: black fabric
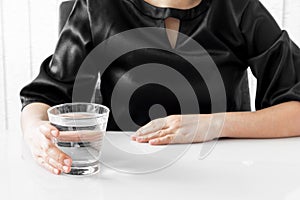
(65, 9)
(235, 33)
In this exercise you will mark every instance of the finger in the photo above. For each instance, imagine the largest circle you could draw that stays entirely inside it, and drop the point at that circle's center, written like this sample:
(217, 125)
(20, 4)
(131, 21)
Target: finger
(167, 139)
(48, 130)
(56, 164)
(59, 159)
(51, 161)
(153, 126)
(56, 157)
(157, 134)
(78, 136)
(47, 166)
(133, 137)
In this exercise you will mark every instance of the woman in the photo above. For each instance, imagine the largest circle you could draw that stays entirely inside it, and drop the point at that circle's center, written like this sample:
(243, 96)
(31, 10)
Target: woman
(236, 34)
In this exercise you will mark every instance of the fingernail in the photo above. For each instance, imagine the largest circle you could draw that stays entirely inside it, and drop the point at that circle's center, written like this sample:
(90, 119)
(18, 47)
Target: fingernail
(153, 141)
(67, 162)
(56, 171)
(54, 133)
(65, 168)
(133, 137)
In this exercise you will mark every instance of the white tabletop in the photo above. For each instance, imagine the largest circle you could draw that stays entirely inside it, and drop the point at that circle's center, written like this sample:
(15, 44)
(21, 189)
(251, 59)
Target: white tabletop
(234, 169)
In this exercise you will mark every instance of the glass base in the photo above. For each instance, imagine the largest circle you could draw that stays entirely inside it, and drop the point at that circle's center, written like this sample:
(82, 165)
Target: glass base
(84, 170)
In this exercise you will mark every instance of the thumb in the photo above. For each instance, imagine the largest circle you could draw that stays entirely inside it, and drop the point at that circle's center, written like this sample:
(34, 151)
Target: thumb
(48, 130)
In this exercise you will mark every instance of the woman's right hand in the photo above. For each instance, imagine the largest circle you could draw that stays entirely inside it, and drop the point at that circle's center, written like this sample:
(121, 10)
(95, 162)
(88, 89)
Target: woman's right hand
(39, 138)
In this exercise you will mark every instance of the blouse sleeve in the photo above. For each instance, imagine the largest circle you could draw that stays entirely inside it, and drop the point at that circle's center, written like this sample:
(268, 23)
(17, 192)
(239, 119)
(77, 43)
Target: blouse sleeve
(54, 83)
(272, 56)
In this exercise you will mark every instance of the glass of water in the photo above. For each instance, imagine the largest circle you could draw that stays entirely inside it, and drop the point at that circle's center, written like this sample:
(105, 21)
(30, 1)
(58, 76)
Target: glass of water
(82, 127)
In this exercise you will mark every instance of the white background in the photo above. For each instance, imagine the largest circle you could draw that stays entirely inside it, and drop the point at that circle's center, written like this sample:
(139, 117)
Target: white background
(28, 34)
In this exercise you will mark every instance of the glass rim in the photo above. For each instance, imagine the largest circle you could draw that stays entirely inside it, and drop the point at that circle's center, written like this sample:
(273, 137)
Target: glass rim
(77, 103)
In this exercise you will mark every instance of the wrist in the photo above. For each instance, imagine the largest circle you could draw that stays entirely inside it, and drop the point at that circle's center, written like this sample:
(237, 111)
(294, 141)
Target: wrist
(211, 126)
(237, 124)
(217, 125)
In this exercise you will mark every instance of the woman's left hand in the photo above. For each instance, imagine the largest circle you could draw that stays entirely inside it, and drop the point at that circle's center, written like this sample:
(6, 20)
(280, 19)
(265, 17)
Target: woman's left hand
(177, 129)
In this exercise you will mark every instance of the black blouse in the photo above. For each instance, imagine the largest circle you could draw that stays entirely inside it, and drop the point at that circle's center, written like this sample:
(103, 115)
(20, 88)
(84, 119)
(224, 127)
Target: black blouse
(235, 33)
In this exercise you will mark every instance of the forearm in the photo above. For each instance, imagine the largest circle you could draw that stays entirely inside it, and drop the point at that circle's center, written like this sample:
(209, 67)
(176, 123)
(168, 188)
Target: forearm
(33, 113)
(282, 120)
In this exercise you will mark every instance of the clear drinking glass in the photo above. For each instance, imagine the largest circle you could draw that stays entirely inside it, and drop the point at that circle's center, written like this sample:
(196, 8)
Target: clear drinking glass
(82, 127)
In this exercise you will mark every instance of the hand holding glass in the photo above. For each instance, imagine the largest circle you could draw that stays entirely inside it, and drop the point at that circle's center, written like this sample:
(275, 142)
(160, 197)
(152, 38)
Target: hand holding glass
(82, 127)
